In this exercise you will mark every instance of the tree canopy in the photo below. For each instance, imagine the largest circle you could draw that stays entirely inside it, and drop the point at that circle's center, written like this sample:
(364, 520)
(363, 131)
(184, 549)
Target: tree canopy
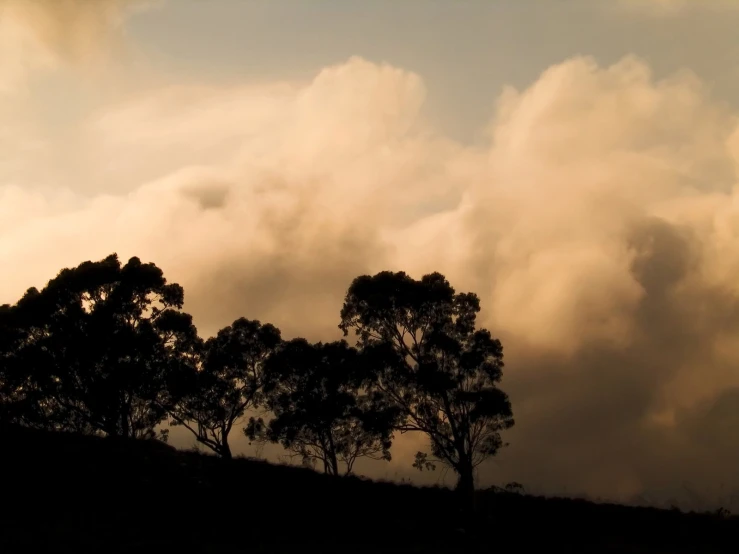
(320, 411)
(227, 383)
(427, 358)
(106, 348)
(96, 348)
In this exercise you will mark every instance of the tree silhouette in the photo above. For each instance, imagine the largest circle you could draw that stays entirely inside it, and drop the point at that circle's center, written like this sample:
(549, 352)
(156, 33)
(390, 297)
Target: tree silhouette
(228, 383)
(17, 399)
(429, 360)
(321, 414)
(95, 350)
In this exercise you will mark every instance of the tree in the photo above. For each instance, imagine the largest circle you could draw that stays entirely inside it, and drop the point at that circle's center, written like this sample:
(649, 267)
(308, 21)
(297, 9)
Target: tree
(228, 383)
(321, 413)
(17, 402)
(428, 359)
(95, 350)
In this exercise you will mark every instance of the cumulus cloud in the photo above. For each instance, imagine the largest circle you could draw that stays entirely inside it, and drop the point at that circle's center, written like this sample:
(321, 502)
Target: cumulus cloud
(605, 269)
(597, 226)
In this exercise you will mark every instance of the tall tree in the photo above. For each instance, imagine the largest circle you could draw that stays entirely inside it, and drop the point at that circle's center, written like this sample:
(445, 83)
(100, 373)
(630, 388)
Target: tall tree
(428, 359)
(321, 412)
(97, 347)
(228, 383)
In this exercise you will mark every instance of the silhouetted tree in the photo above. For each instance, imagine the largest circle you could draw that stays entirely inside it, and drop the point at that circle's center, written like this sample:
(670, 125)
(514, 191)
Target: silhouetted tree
(430, 361)
(95, 349)
(321, 413)
(228, 383)
(16, 397)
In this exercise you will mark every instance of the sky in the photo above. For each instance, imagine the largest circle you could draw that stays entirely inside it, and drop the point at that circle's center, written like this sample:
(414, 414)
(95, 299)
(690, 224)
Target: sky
(575, 163)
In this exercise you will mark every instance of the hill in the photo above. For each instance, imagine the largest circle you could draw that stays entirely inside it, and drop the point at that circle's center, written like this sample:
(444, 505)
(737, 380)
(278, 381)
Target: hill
(71, 493)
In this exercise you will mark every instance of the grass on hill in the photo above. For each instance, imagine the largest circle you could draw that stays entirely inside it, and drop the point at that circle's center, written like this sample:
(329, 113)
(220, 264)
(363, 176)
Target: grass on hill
(69, 493)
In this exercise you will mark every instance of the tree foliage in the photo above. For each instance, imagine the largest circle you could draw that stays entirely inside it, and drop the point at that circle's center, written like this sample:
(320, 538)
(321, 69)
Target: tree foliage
(94, 351)
(228, 382)
(428, 360)
(321, 412)
(105, 348)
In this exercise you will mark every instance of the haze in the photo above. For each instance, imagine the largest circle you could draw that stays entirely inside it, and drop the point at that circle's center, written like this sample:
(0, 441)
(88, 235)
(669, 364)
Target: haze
(575, 163)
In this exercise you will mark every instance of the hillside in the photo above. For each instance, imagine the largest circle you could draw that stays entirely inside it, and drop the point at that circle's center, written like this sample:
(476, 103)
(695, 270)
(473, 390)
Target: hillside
(68, 493)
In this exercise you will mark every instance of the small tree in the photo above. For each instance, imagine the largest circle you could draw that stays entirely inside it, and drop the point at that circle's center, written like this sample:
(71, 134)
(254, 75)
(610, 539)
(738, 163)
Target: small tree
(96, 349)
(428, 360)
(228, 383)
(321, 414)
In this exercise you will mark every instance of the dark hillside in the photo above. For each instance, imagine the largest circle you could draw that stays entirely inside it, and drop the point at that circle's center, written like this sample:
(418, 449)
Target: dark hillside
(69, 493)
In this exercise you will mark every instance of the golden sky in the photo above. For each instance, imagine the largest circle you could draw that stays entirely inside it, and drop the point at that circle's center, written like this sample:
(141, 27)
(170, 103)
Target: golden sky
(590, 199)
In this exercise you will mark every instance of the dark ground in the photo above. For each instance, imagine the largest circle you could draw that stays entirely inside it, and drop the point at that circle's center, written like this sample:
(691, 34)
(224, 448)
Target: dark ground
(68, 493)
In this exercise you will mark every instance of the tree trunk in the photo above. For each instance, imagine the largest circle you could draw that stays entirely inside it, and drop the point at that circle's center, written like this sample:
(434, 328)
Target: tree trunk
(123, 415)
(225, 449)
(332, 454)
(466, 486)
(334, 463)
(466, 482)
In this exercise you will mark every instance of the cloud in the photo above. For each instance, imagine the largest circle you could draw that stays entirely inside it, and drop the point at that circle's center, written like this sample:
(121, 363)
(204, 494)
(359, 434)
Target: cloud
(43, 34)
(597, 226)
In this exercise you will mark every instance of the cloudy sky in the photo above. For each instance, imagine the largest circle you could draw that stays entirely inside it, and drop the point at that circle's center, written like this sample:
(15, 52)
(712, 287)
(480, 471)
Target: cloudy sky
(574, 162)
